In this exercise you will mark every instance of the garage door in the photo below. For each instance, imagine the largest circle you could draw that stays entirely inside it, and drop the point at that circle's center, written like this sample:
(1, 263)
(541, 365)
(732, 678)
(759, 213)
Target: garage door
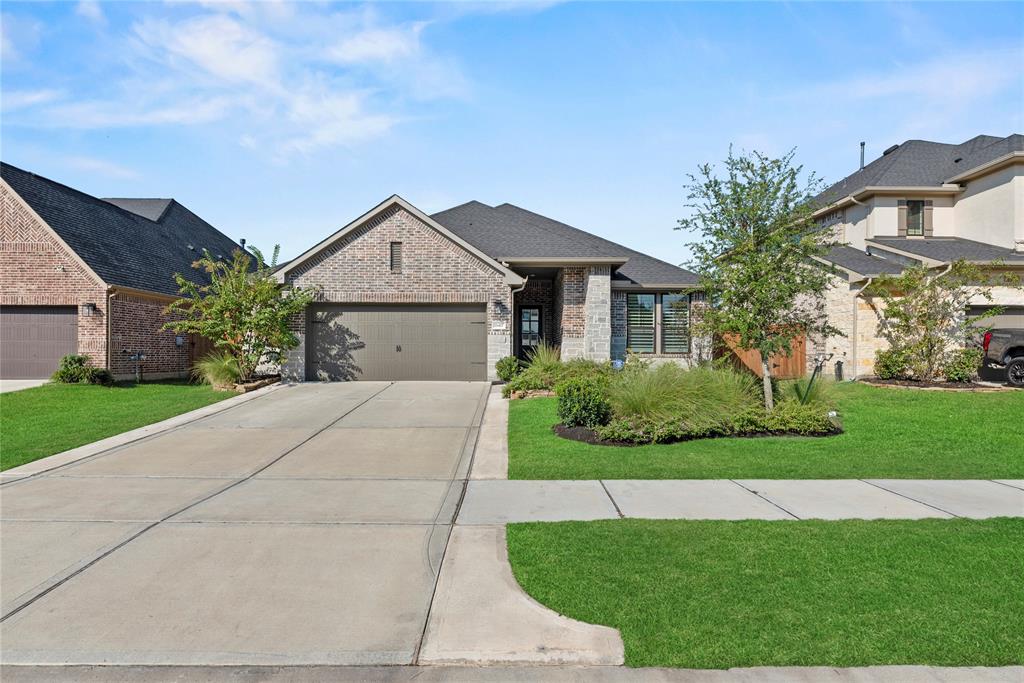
(1011, 317)
(397, 342)
(33, 339)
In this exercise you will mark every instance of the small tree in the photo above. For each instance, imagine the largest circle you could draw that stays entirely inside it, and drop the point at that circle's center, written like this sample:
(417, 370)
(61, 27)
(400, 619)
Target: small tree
(244, 310)
(923, 311)
(756, 258)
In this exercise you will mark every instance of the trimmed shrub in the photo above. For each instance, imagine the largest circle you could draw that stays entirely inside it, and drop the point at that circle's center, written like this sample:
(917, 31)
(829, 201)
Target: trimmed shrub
(892, 363)
(73, 369)
(802, 391)
(218, 368)
(545, 375)
(507, 368)
(793, 417)
(962, 365)
(581, 402)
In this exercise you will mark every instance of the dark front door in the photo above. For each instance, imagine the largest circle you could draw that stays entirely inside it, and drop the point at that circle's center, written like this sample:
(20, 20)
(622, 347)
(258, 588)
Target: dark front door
(530, 332)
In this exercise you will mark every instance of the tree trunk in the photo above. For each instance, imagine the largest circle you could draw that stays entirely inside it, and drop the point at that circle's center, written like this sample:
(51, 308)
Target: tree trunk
(766, 383)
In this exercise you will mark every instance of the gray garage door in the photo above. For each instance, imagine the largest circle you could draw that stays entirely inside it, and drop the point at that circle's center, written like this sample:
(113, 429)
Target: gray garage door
(397, 342)
(1011, 317)
(33, 339)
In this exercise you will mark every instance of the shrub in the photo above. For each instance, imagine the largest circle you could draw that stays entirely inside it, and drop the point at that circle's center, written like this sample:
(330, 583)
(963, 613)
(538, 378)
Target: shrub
(962, 364)
(803, 391)
(544, 357)
(73, 369)
(893, 363)
(581, 402)
(543, 374)
(218, 368)
(507, 368)
(793, 417)
(645, 394)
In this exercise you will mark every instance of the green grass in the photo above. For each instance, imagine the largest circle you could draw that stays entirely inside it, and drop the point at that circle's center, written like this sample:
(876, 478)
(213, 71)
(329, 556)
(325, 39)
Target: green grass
(52, 418)
(711, 594)
(889, 433)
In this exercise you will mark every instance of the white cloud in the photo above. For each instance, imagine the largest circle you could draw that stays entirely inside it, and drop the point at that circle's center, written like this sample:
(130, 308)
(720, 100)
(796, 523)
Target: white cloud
(114, 114)
(102, 167)
(13, 100)
(17, 36)
(91, 10)
(383, 45)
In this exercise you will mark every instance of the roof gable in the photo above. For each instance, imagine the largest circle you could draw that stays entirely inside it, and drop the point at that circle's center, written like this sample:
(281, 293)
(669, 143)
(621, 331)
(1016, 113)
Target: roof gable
(123, 248)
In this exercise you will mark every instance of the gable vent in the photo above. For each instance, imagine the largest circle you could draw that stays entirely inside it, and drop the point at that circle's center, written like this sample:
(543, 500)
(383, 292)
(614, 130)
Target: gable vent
(396, 257)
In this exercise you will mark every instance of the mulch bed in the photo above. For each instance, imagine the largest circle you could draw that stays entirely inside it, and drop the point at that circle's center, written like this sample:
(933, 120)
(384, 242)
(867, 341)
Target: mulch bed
(587, 435)
(932, 386)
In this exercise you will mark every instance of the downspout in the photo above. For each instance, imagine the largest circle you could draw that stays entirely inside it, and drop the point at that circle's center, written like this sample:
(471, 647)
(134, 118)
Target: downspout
(110, 315)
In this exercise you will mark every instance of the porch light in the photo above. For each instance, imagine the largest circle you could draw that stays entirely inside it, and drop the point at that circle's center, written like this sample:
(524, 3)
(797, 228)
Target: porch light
(88, 309)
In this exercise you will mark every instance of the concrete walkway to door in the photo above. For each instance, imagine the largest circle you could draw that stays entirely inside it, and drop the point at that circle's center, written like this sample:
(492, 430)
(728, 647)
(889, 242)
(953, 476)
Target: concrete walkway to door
(303, 527)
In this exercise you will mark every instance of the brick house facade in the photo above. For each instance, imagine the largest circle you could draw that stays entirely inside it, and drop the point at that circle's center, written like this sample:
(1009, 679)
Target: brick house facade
(373, 312)
(113, 288)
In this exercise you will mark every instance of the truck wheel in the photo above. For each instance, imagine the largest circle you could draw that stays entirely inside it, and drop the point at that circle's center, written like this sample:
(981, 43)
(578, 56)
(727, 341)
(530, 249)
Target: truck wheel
(1015, 372)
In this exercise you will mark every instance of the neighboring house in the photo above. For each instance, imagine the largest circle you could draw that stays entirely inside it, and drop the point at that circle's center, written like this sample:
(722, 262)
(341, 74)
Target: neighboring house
(92, 276)
(921, 203)
(404, 295)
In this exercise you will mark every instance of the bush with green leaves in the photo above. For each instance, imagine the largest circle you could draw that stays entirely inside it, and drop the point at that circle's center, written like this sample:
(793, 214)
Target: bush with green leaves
(803, 390)
(582, 402)
(74, 369)
(545, 371)
(218, 368)
(507, 368)
(962, 365)
(893, 363)
(794, 417)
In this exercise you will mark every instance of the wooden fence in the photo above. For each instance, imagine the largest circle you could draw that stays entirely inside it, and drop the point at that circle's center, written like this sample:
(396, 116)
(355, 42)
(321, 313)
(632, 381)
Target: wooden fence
(783, 366)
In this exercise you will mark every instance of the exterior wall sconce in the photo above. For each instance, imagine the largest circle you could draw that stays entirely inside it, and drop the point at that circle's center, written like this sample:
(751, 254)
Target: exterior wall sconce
(179, 340)
(88, 309)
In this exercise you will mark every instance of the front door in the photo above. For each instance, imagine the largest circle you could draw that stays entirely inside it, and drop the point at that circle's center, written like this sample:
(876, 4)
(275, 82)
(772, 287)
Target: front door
(529, 330)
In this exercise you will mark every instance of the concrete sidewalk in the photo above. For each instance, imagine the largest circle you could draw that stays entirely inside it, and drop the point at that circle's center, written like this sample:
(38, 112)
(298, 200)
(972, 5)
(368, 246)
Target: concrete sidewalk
(489, 502)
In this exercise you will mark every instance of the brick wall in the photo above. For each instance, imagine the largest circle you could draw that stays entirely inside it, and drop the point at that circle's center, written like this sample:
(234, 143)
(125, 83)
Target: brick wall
(539, 293)
(434, 270)
(136, 322)
(38, 271)
(573, 314)
(618, 310)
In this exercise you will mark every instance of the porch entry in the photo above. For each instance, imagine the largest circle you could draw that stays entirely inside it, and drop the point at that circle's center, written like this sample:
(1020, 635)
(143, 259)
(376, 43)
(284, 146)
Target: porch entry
(530, 331)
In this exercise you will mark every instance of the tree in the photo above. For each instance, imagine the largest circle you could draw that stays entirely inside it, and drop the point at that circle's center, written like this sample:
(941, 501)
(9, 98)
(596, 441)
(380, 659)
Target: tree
(755, 259)
(923, 311)
(243, 310)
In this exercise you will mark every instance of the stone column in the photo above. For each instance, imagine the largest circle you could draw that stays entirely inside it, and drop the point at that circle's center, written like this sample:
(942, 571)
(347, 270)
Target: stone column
(597, 331)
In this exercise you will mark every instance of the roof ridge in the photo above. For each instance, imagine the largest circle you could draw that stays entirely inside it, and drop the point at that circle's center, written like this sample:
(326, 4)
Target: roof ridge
(92, 198)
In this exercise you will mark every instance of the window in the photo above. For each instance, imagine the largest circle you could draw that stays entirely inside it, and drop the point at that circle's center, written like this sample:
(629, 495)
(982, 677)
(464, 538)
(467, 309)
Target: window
(640, 323)
(675, 323)
(396, 257)
(915, 218)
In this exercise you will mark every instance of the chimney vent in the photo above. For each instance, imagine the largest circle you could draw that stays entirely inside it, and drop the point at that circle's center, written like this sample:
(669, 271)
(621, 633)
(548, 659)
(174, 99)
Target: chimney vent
(862, 155)
(242, 243)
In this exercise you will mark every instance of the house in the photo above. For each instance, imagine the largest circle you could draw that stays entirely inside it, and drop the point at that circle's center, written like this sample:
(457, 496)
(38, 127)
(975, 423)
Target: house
(92, 276)
(404, 295)
(924, 203)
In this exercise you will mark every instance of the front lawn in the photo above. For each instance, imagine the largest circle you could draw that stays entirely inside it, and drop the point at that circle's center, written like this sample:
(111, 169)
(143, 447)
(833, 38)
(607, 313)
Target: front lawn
(55, 417)
(714, 594)
(889, 433)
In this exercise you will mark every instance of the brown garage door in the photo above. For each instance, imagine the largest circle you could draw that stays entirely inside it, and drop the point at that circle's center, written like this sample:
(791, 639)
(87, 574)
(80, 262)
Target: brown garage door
(1012, 317)
(33, 339)
(396, 342)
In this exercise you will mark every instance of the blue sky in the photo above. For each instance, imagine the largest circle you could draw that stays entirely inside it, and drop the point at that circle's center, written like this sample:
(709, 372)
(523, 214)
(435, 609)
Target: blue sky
(279, 122)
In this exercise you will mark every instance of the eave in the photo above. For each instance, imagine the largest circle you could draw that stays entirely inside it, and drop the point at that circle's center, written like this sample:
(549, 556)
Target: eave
(944, 190)
(988, 167)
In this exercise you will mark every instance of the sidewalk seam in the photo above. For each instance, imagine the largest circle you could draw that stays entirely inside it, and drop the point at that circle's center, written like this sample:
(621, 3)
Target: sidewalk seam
(765, 498)
(609, 494)
(901, 495)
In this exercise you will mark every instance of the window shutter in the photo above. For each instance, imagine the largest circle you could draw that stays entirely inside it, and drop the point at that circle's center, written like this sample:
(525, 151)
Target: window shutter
(675, 323)
(901, 218)
(928, 218)
(640, 323)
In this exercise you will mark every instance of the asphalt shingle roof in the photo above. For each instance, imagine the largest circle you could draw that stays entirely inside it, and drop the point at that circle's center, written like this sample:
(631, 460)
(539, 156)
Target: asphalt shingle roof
(921, 163)
(861, 262)
(508, 231)
(124, 248)
(948, 249)
(152, 209)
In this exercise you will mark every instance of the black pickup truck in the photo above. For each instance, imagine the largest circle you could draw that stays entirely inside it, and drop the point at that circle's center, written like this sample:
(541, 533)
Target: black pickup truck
(1004, 349)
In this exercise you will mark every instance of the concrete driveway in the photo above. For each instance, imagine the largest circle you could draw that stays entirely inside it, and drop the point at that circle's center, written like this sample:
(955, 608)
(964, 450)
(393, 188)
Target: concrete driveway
(306, 526)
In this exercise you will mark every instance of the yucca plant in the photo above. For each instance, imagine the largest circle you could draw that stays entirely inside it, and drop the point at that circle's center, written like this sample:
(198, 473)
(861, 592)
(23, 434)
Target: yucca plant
(218, 368)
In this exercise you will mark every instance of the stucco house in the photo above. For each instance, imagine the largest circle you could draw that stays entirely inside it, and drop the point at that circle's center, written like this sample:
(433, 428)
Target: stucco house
(406, 295)
(924, 203)
(92, 276)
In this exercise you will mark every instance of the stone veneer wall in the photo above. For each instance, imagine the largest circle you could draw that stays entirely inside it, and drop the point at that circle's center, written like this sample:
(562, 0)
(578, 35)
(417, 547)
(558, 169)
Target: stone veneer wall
(843, 306)
(434, 270)
(38, 271)
(597, 331)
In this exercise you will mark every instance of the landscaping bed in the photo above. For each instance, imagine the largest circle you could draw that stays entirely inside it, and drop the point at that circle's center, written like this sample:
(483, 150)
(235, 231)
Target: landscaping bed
(886, 434)
(56, 417)
(720, 594)
(932, 385)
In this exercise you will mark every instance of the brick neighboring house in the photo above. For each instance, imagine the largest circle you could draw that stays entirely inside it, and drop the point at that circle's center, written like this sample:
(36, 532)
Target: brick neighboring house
(404, 295)
(924, 203)
(92, 276)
